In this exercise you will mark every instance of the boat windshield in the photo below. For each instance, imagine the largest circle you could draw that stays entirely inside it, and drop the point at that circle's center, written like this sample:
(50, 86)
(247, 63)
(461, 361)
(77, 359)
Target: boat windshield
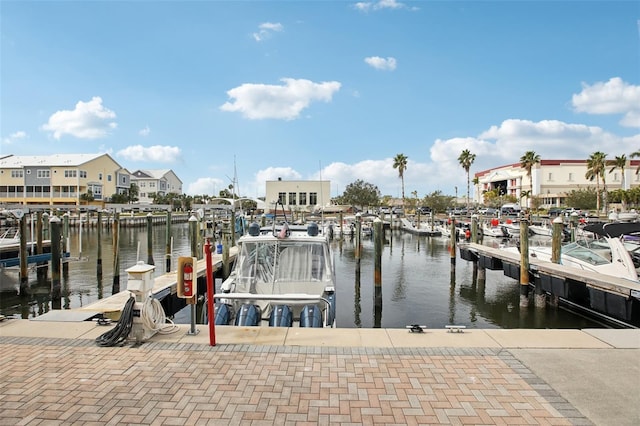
(282, 261)
(594, 252)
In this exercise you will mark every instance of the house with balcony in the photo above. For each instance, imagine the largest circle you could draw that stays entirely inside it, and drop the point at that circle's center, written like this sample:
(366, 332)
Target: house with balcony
(60, 179)
(151, 182)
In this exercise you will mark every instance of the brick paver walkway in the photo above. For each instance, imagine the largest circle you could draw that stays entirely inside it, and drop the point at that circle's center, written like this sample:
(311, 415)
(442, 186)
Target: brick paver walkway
(64, 381)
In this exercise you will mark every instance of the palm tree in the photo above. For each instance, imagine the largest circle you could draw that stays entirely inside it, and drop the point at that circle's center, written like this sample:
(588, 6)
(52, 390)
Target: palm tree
(400, 163)
(595, 170)
(619, 163)
(466, 159)
(634, 155)
(528, 162)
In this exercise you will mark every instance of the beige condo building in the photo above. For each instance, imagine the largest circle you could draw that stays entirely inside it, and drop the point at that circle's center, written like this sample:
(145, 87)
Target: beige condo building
(552, 180)
(60, 179)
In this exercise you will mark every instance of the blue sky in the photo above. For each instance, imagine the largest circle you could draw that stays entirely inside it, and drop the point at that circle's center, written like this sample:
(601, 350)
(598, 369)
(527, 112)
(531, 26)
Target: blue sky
(309, 89)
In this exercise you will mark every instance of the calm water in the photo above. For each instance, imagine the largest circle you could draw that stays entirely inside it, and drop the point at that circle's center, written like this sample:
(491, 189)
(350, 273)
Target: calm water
(418, 286)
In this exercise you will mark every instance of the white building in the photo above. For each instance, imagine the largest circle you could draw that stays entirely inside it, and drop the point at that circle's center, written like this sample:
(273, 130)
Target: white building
(298, 195)
(552, 180)
(150, 182)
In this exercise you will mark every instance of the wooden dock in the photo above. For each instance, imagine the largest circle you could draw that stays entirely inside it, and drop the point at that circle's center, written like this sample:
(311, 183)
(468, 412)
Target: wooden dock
(616, 297)
(164, 287)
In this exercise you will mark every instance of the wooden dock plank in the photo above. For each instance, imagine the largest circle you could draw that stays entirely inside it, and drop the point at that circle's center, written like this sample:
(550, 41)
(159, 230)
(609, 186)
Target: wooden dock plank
(162, 283)
(603, 282)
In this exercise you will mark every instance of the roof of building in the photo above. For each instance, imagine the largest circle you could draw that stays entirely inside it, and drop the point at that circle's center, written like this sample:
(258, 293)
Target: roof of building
(152, 173)
(55, 160)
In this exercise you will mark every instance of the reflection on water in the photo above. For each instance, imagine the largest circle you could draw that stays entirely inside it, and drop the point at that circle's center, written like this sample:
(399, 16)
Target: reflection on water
(418, 284)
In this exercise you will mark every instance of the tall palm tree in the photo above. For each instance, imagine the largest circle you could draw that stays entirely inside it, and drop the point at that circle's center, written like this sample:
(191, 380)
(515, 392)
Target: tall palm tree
(466, 159)
(528, 161)
(596, 170)
(400, 163)
(634, 155)
(619, 163)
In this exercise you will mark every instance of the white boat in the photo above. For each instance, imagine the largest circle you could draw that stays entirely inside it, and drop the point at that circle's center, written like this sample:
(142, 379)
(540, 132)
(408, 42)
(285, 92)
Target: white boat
(493, 230)
(9, 237)
(543, 229)
(283, 276)
(605, 254)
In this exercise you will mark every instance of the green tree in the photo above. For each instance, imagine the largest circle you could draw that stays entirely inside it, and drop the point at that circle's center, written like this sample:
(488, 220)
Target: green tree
(360, 194)
(466, 159)
(400, 163)
(583, 198)
(437, 201)
(132, 194)
(528, 161)
(595, 170)
(87, 196)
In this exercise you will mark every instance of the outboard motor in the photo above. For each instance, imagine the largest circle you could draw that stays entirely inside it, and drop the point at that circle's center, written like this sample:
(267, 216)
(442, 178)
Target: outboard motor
(311, 316)
(249, 315)
(281, 316)
(224, 313)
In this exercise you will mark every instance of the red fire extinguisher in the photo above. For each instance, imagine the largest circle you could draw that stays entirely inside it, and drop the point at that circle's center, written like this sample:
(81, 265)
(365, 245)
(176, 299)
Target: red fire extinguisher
(187, 279)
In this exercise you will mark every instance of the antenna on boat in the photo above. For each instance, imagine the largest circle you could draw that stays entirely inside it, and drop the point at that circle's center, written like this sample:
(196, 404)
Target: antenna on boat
(321, 198)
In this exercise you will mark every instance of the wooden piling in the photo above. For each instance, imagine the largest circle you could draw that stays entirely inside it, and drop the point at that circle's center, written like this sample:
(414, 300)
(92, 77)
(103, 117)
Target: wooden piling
(24, 263)
(167, 237)
(116, 253)
(358, 238)
(55, 258)
(41, 270)
(452, 241)
(65, 242)
(524, 263)
(150, 239)
(378, 234)
(99, 253)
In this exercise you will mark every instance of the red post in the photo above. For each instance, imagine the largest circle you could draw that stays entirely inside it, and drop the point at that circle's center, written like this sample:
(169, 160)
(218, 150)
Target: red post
(210, 304)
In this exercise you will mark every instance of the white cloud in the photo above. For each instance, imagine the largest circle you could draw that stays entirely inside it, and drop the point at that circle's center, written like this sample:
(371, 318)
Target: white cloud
(145, 132)
(266, 29)
(156, 153)
(263, 101)
(611, 97)
(387, 64)
(366, 6)
(207, 185)
(89, 120)
(14, 137)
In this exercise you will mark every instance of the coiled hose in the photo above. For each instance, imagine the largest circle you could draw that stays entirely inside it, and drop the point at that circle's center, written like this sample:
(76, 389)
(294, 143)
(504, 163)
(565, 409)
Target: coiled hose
(153, 317)
(118, 334)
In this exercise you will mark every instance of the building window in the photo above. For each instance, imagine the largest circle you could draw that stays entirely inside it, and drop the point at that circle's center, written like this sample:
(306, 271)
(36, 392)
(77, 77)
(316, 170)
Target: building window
(108, 178)
(17, 173)
(281, 197)
(570, 177)
(615, 177)
(292, 198)
(99, 176)
(152, 184)
(70, 173)
(143, 184)
(313, 198)
(43, 174)
(83, 174)
(124, 179)
(303, 198)
(550, 177)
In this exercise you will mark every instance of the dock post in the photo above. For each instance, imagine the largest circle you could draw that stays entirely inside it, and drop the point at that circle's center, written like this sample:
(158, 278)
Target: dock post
(167, 237)
(41, 271)
(452, 239)
(524, 263)
(150, 239)
(378, 232)
(358, 236)
(99, 248)
(211, 315)
(556, 240)
(65, 243)
(116, 253)
(24, 263)
(193, 236)
(45, 226)
(55, 261)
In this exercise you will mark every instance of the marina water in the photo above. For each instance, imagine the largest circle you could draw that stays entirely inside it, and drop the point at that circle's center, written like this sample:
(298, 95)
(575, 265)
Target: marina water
(418, 285)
